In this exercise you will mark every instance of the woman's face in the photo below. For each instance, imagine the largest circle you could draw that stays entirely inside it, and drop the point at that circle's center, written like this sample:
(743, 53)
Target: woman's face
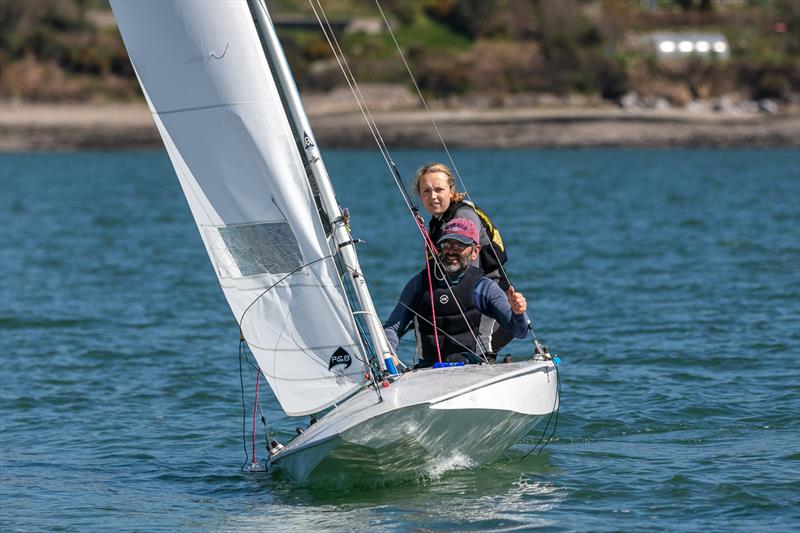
(435, 192)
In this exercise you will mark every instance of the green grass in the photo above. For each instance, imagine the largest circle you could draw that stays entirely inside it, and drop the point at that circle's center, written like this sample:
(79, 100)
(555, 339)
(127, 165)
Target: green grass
(430, 34)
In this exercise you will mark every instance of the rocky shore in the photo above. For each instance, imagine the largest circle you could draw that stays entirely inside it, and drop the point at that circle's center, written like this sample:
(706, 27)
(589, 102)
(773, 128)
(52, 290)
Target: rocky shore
(40, 127)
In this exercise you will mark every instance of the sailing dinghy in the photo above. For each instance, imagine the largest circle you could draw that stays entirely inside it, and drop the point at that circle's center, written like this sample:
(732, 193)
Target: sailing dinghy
(222, 96)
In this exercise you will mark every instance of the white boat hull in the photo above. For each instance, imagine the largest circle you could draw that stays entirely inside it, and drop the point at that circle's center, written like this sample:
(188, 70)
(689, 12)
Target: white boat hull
(428, 421)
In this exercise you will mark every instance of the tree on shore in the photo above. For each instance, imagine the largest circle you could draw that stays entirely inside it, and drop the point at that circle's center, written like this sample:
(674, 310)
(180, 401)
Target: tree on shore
(65, 50)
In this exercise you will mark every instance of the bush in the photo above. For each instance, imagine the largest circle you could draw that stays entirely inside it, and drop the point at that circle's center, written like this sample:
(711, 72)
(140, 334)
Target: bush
(472, 18)
(445, 75)
(775, 81)
(609, 75)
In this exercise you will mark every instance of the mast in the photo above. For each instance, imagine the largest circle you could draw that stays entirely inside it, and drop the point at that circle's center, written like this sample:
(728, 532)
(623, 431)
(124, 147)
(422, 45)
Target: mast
(301, 126)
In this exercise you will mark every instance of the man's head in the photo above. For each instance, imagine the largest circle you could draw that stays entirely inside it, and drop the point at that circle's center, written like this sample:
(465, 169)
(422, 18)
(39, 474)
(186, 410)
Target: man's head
(458, 245)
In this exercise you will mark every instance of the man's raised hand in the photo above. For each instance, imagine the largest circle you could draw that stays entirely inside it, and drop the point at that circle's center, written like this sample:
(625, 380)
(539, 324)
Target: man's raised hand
(517, 301)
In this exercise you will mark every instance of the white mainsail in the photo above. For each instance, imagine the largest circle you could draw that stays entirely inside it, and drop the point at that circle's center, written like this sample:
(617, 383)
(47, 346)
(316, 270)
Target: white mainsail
(214, 101)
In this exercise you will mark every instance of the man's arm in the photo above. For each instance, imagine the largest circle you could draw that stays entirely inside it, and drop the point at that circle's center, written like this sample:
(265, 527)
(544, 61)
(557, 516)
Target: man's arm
(401, 315)
(490, 300)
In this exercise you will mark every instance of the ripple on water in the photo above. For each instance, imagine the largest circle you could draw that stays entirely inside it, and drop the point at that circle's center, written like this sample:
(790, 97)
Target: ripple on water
(666, 280)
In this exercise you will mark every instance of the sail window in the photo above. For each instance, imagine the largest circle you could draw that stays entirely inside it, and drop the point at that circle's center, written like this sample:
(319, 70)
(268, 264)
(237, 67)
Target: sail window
(252, 249)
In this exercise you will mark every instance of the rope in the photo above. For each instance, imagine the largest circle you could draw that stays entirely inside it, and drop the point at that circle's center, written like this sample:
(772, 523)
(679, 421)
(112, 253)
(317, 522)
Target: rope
(256, 406)
(435, 126)
(421, 97)
(433, 306)
(419, 316)
(349, 77)
(549, 418)
(338, 54)
(244, 411)
(431, 248)
(430, 245)
(341, 59)
(254, 460)
(265, 291)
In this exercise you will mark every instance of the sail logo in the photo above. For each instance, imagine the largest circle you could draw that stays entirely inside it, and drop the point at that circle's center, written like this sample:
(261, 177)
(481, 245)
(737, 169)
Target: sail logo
(308, 144)
(340, 357)
(443, 299)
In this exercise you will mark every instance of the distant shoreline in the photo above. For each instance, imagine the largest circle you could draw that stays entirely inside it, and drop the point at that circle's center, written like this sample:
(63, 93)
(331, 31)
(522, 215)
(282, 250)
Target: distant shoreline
(70, 127)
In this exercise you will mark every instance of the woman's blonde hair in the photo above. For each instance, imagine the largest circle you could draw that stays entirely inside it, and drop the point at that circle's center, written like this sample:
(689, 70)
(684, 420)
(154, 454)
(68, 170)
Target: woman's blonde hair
(437, 167)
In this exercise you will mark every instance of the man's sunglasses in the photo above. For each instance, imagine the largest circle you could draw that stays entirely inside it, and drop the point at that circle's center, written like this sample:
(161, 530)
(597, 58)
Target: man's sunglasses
(454, 245)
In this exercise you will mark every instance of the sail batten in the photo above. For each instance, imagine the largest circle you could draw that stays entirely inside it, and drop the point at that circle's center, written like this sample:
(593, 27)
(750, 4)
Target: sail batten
(217, 108)
(202, 108)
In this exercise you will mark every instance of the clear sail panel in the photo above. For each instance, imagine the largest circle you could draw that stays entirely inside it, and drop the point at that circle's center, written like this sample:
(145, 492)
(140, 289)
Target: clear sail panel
(244, 250)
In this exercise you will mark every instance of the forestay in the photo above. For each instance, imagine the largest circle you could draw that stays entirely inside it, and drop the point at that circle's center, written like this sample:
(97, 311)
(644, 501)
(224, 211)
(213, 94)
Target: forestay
(213, 99)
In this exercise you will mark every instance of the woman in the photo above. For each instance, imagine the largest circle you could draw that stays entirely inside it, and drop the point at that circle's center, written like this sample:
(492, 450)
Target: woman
(436, 187)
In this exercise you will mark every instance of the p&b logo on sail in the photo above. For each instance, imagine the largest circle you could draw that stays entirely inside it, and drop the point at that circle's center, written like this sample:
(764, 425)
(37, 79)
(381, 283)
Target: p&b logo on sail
(308, 144)
(340, 357)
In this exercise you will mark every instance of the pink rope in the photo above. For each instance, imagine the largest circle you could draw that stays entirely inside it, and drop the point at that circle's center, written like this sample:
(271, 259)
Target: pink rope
(255, 408)
(429, 246)
(429, 243)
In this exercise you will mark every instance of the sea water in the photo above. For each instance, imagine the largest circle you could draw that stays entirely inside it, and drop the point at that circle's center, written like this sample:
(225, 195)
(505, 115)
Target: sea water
(667, 281)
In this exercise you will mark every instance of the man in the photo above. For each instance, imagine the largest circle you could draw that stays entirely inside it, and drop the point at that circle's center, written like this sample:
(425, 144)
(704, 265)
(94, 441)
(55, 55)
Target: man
(461, 295)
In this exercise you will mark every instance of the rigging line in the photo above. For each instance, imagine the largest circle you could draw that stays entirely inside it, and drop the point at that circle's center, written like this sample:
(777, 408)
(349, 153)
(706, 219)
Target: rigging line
(533, 333)
(348, 289)
(373, 128)
(341, 59)
(255, 407)
(438, 264)
(241, 320)
(419, 316)
(244, 409)
(435, 126)
(373, 373)
(433, 307)
(254, 366)
(555, 425)
(368, 362)
(553, 413)
(556, 400)
(434, 254)
(349, 71)
(421, 97)
(479, 344)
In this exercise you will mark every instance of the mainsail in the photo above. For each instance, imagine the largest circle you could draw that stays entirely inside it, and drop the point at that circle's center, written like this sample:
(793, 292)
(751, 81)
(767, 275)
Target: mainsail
(208, 84)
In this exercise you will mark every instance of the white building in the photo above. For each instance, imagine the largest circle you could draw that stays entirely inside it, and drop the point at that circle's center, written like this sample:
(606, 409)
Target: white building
(685, 45)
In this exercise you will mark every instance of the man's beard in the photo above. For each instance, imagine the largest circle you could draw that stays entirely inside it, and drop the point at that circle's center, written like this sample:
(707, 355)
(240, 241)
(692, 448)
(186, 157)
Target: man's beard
(457, 267)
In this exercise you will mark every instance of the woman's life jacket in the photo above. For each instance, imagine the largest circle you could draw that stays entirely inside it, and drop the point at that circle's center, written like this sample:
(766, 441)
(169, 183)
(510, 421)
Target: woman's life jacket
(492, 256)
(454, 331)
